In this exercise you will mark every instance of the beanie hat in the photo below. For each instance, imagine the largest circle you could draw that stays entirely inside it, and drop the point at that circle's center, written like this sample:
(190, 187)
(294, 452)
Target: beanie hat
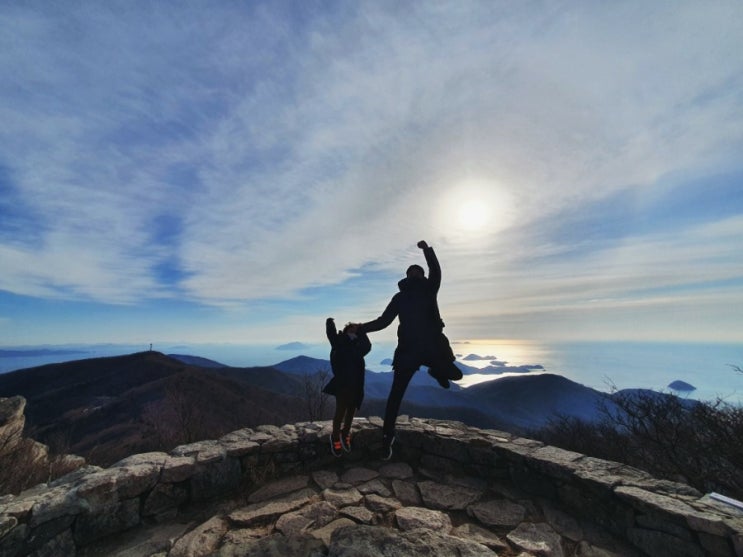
(413, 267)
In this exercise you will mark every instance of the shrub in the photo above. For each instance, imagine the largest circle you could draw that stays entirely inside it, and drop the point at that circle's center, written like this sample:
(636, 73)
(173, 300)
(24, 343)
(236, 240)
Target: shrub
(316, 401)
(26, 463)
(689, 441)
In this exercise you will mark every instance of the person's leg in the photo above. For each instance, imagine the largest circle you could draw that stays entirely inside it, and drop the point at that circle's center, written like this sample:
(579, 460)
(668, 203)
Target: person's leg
(439, 376)
(346, 431)
(444, 372)
(400, 381)
(335, 437)
(442, 366)
(344, 414)
(340, 412)
(451, 371)
(348, 420)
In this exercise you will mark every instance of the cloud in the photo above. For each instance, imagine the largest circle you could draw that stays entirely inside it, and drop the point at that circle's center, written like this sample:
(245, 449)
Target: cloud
(246, 154)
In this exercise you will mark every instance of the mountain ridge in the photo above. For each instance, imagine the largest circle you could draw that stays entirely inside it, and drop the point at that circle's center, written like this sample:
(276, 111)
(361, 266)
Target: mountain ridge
(109, 407)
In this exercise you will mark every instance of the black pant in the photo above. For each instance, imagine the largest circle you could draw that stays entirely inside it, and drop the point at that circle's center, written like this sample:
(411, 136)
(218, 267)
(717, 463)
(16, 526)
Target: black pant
(401, 379)
(345, 408)
(447, 370)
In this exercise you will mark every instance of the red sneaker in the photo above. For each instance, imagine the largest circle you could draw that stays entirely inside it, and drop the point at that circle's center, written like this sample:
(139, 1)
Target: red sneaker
(346, 442)
(336, 447)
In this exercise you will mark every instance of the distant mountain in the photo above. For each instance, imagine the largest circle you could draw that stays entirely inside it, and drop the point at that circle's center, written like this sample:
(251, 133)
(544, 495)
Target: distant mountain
(423, 390)
(305, 364)
(292, 346)
(520, 402)
(496, 367)
(196, 361)
(108, 408)
(465, 369)
(530, 401)
(477, 357)
(39, 352)
(302, 365)
(639, 395)
(376, 384)
(679, 385)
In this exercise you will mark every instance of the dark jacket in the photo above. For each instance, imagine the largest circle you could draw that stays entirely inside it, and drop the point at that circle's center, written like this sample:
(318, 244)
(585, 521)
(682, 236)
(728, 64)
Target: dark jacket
(420, 329)
(347, 362)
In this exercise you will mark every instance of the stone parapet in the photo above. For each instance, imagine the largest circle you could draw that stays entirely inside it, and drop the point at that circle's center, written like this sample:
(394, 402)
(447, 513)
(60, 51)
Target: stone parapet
(654, 517)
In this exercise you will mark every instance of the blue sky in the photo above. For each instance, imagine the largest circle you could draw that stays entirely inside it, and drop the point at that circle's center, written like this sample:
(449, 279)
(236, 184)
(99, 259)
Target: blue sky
(238, 171)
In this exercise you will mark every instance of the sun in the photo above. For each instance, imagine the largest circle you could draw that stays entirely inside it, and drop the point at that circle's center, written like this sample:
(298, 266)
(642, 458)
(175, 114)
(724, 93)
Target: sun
(472, 214)
(475, 209)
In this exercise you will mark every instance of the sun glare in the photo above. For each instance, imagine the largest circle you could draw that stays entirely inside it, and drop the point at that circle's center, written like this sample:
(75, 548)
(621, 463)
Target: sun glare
(476, 208)
(472, 214)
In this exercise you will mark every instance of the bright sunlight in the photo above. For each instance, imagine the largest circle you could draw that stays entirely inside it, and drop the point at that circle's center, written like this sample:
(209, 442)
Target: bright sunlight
(477, 207)
(472, 214)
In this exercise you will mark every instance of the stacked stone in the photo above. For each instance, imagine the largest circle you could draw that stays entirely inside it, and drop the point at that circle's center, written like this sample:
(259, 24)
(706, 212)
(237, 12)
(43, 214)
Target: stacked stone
(481, 492)
(388, 509)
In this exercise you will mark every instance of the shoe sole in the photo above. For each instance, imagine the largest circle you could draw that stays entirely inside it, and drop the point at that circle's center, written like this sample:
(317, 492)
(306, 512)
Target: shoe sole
(389, 450)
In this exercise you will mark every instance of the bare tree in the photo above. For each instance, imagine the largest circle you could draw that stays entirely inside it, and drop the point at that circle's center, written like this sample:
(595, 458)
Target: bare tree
(678, 439)
(25, 463)
(175, 419)
(315, 399)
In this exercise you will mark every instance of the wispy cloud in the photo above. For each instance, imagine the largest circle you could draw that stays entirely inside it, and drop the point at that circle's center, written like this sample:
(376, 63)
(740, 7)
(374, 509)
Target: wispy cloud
(234, 153)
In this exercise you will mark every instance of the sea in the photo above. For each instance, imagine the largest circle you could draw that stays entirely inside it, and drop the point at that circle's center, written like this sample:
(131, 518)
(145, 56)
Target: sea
(605, 366)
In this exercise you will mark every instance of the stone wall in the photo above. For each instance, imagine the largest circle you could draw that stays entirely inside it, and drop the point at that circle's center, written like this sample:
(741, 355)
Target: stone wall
(655, 517)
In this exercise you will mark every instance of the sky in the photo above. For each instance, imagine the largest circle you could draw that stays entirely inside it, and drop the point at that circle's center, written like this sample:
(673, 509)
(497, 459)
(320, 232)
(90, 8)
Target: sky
(232, 171)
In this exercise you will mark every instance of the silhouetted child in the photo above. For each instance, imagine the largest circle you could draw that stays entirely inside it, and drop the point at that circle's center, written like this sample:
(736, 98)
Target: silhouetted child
(347, 352)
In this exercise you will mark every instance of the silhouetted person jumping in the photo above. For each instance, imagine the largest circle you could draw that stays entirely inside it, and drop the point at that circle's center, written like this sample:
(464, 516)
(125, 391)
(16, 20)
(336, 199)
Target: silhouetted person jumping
(420, 337)
(348, 348)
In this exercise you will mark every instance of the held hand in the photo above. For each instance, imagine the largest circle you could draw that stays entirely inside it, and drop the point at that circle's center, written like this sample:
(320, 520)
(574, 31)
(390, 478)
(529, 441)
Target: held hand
(422, 244)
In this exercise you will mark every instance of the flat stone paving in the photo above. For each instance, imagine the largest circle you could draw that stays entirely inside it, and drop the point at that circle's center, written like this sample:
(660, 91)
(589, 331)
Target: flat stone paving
(358, 509)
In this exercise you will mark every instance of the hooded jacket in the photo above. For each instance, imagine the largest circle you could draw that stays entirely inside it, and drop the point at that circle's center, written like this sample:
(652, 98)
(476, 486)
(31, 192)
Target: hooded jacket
(347, 352)
(347, 363)
(416, 306)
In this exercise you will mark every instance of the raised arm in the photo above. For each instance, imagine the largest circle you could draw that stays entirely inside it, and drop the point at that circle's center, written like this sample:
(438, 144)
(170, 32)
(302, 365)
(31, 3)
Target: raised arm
(434, 269)
(331, 331)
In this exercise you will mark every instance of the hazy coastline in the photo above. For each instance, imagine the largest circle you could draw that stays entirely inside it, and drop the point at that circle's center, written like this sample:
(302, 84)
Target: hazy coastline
(599, 365)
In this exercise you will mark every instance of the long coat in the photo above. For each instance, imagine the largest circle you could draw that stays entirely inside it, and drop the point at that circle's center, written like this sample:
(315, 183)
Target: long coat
(420, 338)
(347, 364)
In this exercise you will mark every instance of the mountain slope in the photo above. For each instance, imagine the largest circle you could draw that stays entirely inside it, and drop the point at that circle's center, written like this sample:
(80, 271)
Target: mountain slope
(54, 389)
(530, 401)
(301, 365)
(196, 361)
(107, 408)
(515, 403)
